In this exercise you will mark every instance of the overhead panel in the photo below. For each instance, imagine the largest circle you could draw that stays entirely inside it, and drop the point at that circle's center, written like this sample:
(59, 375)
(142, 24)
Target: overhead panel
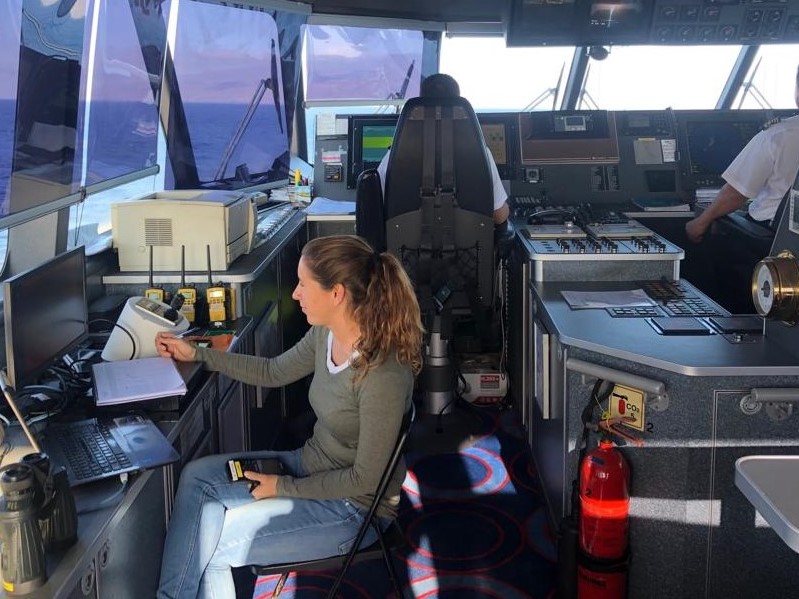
(628, 22)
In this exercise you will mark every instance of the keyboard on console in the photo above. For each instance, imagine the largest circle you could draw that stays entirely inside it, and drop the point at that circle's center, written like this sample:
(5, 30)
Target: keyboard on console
(674, 298)
(634, 311)
(665, 290)
(270, 221)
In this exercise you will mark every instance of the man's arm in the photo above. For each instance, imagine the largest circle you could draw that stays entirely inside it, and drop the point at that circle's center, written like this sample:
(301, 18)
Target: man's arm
(501, 214)
(727, 200)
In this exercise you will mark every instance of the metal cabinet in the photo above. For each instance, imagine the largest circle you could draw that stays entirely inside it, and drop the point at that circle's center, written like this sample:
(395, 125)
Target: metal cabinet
(129, 561)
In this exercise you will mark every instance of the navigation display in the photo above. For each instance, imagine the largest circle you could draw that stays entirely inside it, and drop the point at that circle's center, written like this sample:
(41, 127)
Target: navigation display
(576, 137)
(712, 146)
(369, 138)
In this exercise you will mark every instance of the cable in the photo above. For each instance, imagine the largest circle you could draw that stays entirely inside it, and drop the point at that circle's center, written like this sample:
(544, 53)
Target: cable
(126, 331)
(5, 451)
(111, 499)
(587, 415)
(537, 216)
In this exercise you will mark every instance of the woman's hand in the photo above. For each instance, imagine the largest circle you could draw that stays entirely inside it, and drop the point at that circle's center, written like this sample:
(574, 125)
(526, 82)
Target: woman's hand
(266, 484)
(177, 349)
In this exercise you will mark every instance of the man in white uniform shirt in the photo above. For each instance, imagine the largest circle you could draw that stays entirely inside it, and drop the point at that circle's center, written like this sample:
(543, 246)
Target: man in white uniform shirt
(437, 86)
(763, 171)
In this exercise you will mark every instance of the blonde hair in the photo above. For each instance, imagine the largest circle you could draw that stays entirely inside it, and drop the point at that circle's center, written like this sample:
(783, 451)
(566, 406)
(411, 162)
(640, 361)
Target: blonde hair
(381, 298)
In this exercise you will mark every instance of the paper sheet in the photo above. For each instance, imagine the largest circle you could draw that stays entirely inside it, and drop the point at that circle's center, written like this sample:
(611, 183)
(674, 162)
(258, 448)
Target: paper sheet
(136, 380)
(607, 299)
(322, 206)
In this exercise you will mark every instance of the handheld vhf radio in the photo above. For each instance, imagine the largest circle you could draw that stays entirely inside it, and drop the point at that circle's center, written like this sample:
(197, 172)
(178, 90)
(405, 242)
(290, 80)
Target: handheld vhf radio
(215, 295)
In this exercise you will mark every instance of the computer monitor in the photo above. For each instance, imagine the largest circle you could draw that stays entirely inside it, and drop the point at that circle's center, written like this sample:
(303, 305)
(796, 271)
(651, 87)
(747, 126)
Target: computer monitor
(45, 315)
(568, 137)
(713, 141)
(369, 138)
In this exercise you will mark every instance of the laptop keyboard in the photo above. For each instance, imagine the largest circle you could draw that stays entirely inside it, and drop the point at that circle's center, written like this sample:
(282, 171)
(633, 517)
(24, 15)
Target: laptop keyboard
(90, 449)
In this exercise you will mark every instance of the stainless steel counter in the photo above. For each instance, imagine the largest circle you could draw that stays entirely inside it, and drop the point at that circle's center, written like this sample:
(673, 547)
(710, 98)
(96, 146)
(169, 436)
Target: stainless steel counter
(771, 483)
(637, 340)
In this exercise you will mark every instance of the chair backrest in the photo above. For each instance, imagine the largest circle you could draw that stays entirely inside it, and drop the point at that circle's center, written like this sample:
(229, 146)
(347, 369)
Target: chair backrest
(438, 201)
(369, 214)
(391, 467)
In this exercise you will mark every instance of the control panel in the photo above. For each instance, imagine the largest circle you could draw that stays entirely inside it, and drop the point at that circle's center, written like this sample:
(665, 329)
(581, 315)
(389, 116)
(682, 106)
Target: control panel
(655, 22)
(600, 240)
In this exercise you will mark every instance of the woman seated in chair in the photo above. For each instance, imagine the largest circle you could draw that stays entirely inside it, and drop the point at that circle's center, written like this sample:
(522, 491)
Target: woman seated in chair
(363, 350)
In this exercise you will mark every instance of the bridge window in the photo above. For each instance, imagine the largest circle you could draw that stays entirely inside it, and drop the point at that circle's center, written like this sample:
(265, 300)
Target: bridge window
(228, 69)
(512, 79)
(658, 77)
(358, 70)
(229, 123)
(10, 13)
(121, 141)
(771, 81)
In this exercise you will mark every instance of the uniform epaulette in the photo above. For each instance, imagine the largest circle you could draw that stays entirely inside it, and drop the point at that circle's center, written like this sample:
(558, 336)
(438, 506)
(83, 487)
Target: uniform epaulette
(771, 122)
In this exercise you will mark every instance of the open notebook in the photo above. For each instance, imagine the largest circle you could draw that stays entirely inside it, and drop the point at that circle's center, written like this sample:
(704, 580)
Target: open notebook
(126, 381)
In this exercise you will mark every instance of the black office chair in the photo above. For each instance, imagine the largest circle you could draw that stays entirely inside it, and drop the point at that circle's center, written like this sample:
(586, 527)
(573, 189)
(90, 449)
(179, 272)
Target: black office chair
(437, 216)
(369, 212)
(438, 203)
(387, 541)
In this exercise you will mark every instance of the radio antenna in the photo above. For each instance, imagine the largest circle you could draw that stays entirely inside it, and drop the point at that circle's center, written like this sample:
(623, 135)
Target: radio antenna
(188, 292)
(182, 265)
(208, 258)
(152, 292)
(151, 267)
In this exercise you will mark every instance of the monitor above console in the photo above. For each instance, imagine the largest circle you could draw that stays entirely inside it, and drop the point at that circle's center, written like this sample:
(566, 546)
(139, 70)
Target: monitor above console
(711, 140)
(369, 138)
(45, 315)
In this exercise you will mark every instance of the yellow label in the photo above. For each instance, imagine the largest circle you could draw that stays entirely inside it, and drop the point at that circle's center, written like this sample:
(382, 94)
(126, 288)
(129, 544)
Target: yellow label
(627, 404)
(8, 586)
(239, 472)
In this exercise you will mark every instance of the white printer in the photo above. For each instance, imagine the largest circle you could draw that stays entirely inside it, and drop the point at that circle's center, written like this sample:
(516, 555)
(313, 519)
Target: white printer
(196, 220)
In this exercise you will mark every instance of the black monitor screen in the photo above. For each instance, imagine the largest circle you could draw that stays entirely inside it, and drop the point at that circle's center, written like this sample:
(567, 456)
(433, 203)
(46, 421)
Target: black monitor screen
(713, 144)
(45, 315)
(568, 137)
(369, 139)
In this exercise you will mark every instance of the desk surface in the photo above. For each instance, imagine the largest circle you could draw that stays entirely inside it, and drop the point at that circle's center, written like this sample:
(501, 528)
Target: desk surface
(771, 484)
(636, 340)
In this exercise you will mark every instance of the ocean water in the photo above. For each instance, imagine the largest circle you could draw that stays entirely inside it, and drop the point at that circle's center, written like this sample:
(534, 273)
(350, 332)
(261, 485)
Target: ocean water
(126, 140)
(6, 145)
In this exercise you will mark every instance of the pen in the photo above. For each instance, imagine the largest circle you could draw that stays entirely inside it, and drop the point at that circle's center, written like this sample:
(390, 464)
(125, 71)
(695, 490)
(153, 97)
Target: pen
(187, 332)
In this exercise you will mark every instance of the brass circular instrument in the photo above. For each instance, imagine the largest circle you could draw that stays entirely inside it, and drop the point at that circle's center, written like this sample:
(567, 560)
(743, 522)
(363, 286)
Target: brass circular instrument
(775, 287)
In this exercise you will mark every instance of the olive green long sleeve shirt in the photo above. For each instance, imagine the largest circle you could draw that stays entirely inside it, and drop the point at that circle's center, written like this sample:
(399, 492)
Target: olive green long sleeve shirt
(357, 422)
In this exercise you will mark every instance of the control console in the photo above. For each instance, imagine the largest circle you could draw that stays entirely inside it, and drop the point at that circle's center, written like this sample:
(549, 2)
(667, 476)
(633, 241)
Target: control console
(597, 239)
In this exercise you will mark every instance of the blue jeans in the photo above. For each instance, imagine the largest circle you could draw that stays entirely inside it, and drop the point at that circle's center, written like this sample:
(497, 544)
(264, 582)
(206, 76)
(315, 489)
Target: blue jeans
(216, 525)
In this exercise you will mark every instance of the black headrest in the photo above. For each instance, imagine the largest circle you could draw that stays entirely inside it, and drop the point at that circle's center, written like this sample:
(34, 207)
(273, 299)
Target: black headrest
(409, 151)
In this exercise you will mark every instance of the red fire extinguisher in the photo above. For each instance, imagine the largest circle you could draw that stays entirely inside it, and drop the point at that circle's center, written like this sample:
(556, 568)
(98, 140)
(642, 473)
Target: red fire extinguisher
(604, 520)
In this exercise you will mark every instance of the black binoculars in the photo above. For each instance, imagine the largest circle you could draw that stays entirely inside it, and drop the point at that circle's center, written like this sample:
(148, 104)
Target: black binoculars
(37, 515)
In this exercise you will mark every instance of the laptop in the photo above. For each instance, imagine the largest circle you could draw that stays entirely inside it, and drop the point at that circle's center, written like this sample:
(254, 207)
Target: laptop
(100, 448)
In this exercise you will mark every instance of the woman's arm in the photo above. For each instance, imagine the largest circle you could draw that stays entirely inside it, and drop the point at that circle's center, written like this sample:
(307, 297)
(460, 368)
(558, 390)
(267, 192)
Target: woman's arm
(286, 368)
